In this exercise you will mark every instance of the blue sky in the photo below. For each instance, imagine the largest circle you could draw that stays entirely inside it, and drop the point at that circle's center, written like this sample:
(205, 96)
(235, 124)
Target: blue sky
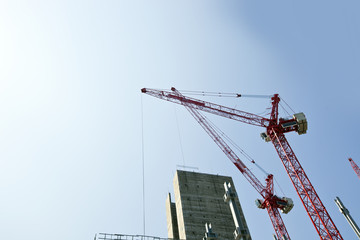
(70, 103)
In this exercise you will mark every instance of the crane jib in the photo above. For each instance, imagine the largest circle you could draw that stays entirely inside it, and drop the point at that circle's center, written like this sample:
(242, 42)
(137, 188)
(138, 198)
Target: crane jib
(186, 100)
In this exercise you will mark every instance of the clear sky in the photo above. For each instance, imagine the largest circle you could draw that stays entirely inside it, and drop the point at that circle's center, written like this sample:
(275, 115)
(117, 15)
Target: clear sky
(70, 104)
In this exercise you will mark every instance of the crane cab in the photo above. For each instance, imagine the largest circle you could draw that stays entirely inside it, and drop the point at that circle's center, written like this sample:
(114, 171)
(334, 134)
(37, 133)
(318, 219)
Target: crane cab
(284, 204)
(297, 123)
(265, 137)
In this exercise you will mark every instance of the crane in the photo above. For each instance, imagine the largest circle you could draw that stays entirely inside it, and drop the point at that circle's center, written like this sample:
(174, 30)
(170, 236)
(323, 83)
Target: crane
(276, 128)
(271, 202)
(355, 167)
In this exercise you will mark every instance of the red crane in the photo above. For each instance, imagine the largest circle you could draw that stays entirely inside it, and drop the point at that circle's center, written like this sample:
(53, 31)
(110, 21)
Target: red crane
(355, 167)
(275, 132)
(271, 202)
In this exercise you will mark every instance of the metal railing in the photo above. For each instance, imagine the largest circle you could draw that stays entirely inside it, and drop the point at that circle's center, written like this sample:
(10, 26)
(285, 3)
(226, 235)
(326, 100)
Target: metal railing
(115, 236)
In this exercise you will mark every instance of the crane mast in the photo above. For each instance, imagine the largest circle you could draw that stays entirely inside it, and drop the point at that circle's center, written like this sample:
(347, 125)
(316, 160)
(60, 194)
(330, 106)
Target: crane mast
(275, 132)
(355, 167)
(310, 199)
(271, 202)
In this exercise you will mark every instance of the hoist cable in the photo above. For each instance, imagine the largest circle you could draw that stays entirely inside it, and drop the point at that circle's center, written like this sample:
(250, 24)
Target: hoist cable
(284, 109)
(288, 105)
(283, 194)
(178, 128)
(247, 156)
(143, 161)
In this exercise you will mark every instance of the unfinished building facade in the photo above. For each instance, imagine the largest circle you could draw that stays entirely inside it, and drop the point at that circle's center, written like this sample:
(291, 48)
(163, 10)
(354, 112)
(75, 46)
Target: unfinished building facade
(198, 200)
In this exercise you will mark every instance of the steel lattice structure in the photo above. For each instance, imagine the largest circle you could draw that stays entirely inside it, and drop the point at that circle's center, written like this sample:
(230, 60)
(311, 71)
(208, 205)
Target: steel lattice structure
(355, 167)
(275, 132)
(271, 202)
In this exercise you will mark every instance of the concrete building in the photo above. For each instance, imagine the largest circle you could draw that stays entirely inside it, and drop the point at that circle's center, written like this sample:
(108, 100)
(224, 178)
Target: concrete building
(199, 199)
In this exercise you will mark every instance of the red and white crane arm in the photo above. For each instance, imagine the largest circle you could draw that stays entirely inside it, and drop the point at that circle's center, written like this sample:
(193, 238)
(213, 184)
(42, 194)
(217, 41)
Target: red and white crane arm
(209, 107)
(311, 201)
(355, 167)
(277, 222)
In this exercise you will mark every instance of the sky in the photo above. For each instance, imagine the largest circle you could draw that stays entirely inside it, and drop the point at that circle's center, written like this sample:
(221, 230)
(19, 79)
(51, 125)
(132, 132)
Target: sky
(76, 132)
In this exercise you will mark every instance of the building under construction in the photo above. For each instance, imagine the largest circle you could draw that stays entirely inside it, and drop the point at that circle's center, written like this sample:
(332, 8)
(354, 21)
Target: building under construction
(199, 200)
